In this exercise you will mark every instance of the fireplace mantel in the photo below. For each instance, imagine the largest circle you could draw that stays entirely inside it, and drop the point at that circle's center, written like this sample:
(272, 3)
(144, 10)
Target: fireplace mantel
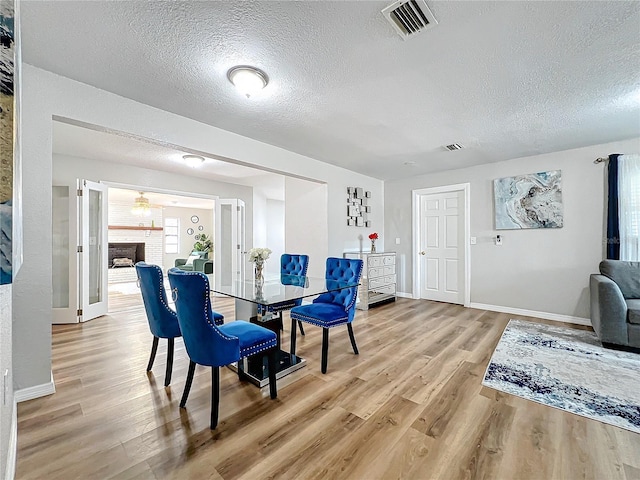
(132, 227)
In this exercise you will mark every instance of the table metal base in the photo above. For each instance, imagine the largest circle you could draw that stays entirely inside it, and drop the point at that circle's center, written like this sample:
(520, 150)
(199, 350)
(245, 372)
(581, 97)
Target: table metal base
(256, 370)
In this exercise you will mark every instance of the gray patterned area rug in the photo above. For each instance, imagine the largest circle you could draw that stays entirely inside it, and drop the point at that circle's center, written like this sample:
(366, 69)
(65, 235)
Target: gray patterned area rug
(567, 369)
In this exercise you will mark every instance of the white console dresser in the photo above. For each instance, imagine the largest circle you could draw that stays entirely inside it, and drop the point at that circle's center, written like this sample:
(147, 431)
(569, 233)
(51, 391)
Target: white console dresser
(378, 282)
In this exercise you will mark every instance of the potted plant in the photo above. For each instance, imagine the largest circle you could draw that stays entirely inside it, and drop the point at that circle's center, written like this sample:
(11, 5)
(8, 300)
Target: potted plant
(203, 245)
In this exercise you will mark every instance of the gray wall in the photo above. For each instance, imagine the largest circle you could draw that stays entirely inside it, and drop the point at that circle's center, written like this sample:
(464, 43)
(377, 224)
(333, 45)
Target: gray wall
(545, 270)
(6, 408)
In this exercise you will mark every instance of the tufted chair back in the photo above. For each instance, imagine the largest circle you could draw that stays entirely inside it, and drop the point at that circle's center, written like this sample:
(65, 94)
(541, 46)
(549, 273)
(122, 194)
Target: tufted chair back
(163, 321)
(204, 341)
(346, 270)
(294, 264)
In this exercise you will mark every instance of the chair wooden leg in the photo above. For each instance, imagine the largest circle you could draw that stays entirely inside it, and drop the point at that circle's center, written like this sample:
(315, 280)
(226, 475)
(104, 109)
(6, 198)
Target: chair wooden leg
(215, 396)
(353, 339)
(301, 329)
(167, 375)
(292, 348)
(187, 385)
(325, 349)
(273, 367)
(154, 349)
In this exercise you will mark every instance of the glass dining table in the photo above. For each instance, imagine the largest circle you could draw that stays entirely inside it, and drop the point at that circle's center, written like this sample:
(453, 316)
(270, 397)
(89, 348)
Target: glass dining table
(262, 303)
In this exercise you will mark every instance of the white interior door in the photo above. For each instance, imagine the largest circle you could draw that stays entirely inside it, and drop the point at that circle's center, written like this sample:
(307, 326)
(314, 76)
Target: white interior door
(80, 247)
(94, 255)
(229, 243)
(441, 255)
(65, 291)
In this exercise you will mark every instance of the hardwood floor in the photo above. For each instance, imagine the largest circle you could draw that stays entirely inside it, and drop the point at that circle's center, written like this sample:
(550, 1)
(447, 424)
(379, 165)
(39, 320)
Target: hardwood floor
(411, 405)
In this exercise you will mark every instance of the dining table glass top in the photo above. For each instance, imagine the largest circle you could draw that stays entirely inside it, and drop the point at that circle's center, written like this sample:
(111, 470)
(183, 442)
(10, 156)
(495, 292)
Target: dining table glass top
(280, 288)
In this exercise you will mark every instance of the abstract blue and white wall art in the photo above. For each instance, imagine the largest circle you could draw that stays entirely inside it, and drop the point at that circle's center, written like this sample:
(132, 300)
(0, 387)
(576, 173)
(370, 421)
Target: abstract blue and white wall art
(7, 72)
(529, 201)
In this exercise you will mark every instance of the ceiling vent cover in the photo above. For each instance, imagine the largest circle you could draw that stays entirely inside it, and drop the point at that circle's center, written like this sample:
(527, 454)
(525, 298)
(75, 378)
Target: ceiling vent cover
(409, 17)
(453, 147)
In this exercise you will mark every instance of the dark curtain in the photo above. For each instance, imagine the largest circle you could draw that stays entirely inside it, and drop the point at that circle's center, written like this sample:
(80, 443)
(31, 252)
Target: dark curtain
(613, 219)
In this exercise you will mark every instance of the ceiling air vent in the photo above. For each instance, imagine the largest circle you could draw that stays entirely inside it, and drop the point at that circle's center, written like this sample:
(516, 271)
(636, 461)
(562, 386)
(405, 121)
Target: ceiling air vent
(454, 146)
(409, 17)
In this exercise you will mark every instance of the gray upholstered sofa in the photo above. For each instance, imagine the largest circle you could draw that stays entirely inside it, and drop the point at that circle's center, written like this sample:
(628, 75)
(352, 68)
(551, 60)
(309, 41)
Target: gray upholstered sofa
(615, 303)
(202, 264)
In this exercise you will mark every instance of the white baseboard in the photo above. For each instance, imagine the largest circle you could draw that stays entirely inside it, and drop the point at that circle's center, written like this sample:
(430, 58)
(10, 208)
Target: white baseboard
(404, 295)
(12, 450)
(532, 313)
(36, 391)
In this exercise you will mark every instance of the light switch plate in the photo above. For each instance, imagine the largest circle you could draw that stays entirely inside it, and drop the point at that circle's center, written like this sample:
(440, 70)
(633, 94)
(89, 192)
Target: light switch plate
(397, 240)
(473, 240)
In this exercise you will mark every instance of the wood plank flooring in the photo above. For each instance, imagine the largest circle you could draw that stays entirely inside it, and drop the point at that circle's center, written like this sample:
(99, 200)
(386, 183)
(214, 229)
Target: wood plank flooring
(411, 405)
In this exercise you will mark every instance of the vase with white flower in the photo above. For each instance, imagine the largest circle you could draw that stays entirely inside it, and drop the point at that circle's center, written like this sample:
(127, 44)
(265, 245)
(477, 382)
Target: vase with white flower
(258, 256)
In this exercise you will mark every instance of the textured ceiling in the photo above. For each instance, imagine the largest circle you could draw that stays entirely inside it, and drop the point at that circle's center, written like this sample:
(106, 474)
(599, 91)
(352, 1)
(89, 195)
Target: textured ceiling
(504, 79)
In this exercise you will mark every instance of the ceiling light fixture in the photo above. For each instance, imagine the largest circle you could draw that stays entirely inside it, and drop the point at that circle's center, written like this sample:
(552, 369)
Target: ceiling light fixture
(193, 161)
(141, 206)
(248, 80)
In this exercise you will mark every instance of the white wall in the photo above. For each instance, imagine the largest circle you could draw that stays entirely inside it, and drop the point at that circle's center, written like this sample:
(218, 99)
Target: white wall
(275, 233)
(186, 241)
(46, 95)
(260, 225)
(6, 409)
(305, 222)
(544, 270)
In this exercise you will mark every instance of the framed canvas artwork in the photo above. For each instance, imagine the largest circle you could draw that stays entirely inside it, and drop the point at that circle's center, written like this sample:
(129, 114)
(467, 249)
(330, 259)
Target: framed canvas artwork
(10, 235)
(532, 200)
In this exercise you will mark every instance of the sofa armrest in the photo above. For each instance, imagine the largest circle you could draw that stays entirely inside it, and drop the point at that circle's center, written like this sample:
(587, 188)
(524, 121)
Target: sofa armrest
(608, 311)
(208, 267)
(203, 265)
(179, 262)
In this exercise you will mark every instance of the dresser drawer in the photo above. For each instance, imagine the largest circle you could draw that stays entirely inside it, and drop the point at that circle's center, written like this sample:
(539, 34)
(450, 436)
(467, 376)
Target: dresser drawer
(374, 272)
(375, 283)
(386, 289)
(389, 260)
(389, 270)
(375, 261)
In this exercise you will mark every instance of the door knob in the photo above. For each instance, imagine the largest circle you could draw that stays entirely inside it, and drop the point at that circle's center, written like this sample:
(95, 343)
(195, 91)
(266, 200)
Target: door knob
(423, 253)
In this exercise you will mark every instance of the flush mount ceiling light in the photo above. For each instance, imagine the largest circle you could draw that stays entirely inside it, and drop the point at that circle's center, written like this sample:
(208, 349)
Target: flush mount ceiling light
(193, 161)
(248, 80)
(141, 206)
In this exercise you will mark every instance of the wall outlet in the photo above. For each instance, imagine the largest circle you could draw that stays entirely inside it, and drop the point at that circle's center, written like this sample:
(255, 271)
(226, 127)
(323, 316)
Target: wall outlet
(498, 240)
(473, 240)
(397, 240)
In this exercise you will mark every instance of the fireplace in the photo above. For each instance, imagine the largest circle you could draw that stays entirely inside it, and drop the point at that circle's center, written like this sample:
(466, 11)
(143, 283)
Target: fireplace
(125, 254)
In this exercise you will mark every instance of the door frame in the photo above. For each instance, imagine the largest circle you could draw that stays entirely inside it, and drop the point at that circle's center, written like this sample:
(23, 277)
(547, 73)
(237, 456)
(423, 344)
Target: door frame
(465, 188)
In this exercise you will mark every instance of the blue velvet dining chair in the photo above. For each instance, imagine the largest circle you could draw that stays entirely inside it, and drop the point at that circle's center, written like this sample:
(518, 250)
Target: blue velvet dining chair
(292, 265)
(332, 308)
(163, 321)
(214, 345)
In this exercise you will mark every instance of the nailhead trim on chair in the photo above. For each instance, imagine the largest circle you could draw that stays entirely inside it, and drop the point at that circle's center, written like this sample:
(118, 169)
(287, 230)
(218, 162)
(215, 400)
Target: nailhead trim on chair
(252, 350)
(264, 345)
(315, 321)
(206, 313)
(161, 295)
